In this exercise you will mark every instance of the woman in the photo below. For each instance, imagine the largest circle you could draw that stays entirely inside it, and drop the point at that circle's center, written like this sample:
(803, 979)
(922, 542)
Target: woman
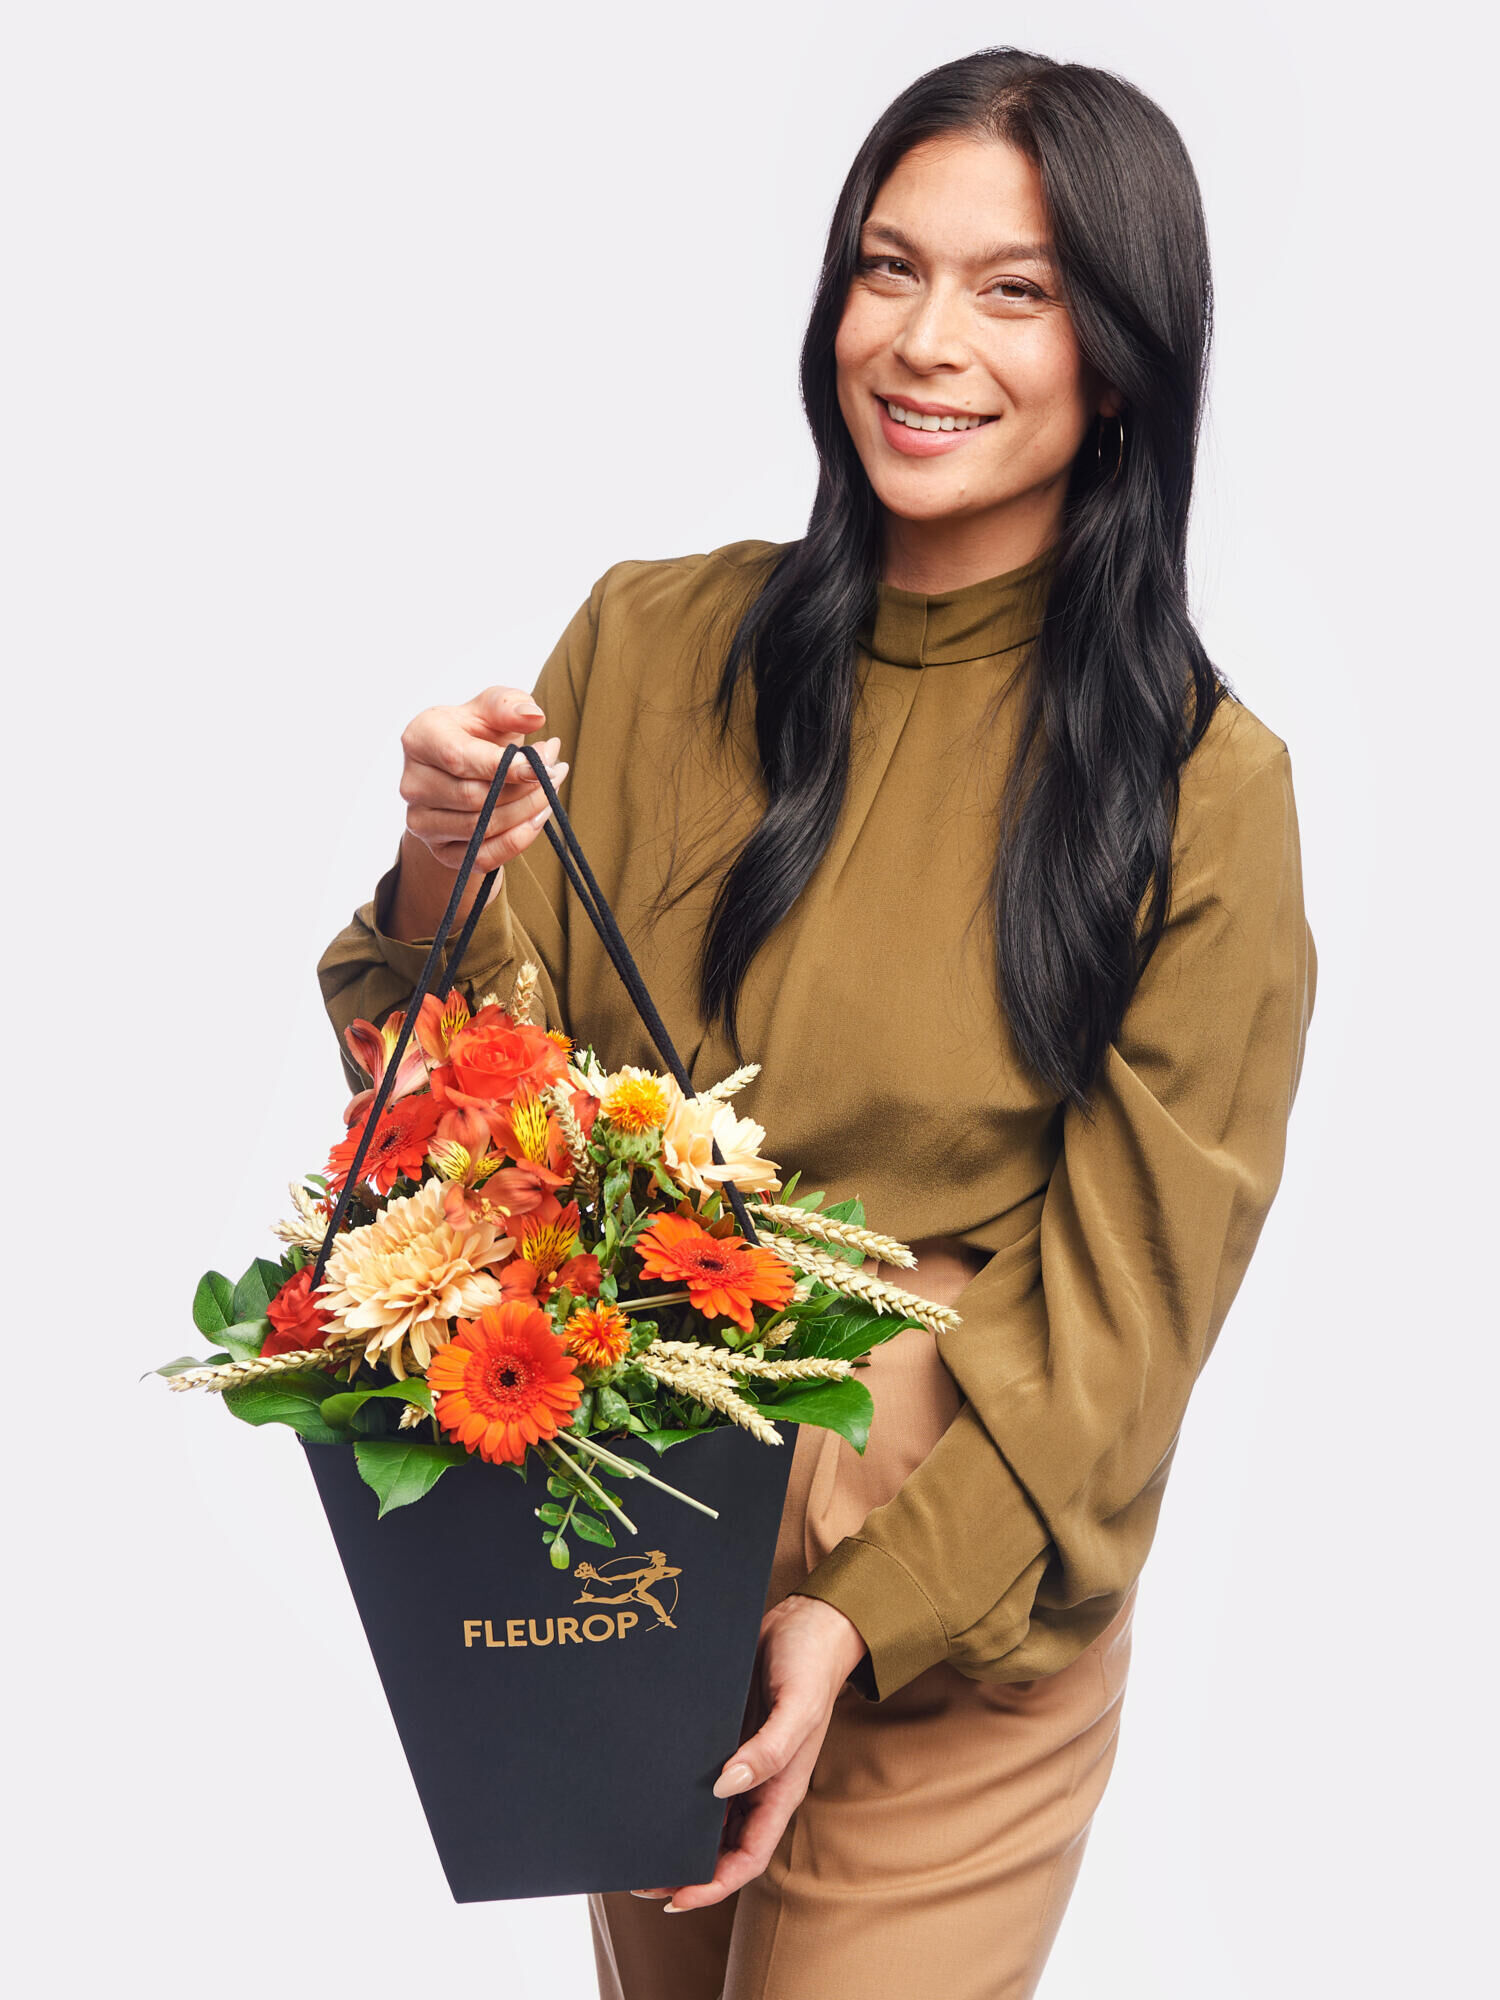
(942, 815)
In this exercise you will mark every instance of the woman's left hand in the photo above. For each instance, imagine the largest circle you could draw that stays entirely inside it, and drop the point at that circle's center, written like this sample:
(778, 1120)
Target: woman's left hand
(807, 1651)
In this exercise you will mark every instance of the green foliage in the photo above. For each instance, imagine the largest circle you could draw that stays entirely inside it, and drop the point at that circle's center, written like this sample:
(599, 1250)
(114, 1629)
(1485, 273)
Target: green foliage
(611, 1411)
(847, 1334)
(295, 1399)
(845, 1407)
(340, 1410)
(551, 1513)
(245, 1342)
(399, 1470)
(593, 1530)
(559, 1553)
(256, 1289)
(661, 1441)
(213, 1304)
(184, 1362)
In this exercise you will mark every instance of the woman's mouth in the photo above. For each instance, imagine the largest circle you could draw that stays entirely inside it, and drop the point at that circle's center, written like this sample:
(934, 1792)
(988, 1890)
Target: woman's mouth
(923, 435)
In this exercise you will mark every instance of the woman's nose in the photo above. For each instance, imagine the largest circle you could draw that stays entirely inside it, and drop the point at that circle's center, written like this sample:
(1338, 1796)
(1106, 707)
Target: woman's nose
(932, 333)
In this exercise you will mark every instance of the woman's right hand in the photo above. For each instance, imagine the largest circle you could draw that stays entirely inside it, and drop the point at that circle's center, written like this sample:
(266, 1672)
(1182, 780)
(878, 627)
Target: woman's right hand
(450, 757)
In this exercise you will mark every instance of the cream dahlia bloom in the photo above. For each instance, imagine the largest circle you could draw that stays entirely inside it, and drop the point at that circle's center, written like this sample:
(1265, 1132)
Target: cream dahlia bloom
(404, 1276)
(693, 1124)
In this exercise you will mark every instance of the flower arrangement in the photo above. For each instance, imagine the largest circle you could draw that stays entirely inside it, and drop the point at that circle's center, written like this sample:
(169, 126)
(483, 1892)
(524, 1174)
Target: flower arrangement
(537, 1264)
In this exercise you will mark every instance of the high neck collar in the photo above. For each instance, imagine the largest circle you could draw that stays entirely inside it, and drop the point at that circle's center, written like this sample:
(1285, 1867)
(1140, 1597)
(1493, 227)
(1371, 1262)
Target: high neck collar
(914, 628)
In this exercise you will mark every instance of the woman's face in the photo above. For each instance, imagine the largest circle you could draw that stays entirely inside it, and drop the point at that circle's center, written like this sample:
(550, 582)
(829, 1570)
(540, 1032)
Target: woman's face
(955, 313)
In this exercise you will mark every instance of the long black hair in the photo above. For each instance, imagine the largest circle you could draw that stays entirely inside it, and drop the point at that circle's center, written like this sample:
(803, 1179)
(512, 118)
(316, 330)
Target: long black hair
(1120, 688)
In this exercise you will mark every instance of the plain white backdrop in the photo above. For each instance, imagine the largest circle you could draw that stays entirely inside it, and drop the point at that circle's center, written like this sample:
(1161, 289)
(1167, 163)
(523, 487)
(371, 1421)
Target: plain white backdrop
(344, 347)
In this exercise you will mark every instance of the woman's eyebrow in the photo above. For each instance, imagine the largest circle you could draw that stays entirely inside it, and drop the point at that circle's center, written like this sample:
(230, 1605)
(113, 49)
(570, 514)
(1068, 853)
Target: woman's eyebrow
(997, 253)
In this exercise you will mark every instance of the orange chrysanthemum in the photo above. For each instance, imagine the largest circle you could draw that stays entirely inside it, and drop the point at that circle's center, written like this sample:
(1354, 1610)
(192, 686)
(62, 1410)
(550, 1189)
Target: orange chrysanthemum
(724, 1275)
(636, 1102)
(597, 1335)
(398, 1147)
(504, 1381)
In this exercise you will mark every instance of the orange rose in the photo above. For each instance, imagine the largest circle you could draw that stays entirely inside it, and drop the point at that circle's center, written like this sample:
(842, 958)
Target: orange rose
(491, 1058)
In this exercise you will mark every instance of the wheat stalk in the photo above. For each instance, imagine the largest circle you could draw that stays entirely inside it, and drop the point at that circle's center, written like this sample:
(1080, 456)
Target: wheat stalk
(859, 1285)
(585, 1170)
(736, 1080)
(708, 1386)
(806, 1369)
(229, 1374)
(523, 993)
(829, 1229)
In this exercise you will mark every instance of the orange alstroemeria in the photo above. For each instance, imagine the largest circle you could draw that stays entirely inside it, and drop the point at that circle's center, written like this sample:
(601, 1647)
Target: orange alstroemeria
(438, 1021)
(548, 1253)
(372, 1048)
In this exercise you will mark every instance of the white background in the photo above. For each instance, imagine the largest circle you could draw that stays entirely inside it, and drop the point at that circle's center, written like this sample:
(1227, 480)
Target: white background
(345, 347)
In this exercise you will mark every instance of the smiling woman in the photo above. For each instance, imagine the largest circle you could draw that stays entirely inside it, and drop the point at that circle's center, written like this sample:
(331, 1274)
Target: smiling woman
(972, 690)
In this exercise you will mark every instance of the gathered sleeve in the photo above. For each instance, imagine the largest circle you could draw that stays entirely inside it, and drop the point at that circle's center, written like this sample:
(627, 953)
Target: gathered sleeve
(1079, 1345)
(364, 972)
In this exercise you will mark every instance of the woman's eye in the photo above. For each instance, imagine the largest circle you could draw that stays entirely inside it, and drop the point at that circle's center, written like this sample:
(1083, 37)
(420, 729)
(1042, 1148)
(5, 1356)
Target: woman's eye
(875, 264)
(1015, 291)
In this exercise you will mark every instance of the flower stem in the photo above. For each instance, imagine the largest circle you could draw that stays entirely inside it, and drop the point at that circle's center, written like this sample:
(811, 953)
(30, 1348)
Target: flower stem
(593, 1485)
(628, 1469)
(645, 1300)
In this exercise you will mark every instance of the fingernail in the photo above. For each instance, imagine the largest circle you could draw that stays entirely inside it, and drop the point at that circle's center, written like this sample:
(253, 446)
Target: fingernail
(735, 1779)
(671, 1910)
(530, 708)
(651, 1895)
(537, 818)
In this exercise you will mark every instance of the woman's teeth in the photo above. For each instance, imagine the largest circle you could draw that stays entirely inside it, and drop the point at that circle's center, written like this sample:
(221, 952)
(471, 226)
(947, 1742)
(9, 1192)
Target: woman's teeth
(899, 415)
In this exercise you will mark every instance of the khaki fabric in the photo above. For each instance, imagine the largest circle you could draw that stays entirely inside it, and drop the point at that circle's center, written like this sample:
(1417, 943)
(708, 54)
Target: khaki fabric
(1114, 1244)
(944, 1828)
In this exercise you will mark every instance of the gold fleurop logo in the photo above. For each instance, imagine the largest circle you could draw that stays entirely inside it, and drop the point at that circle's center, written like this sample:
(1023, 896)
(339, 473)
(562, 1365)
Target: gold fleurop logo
(619, 1582)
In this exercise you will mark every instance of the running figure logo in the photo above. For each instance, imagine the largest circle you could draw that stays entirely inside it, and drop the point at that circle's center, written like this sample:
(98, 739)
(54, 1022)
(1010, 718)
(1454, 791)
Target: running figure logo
(630, 1583)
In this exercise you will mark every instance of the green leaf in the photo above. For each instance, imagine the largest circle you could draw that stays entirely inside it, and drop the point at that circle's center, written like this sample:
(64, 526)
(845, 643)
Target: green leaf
(611, 1411)
(559, 1554)
(339, 1410)
(184, 1362)
(256, 1289)
(583, 1415)
(845, 1407)
(551, 1513)
(400, 1471)
(213, 1303)
(661, 1441)
(593, 1531)
(846, 1335)
(285, 1399)
(558, 1489)
(852, 1210)
(246, 1340)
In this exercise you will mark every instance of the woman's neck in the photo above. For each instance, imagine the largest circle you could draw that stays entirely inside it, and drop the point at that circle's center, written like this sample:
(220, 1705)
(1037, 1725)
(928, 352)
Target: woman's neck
(948, 554)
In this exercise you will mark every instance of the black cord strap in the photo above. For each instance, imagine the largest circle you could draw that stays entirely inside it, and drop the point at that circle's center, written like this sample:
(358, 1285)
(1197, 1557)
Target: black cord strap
(559, 830)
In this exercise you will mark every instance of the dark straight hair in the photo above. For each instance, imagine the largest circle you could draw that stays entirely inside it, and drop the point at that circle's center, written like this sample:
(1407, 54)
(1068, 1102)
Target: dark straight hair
(1119, 688)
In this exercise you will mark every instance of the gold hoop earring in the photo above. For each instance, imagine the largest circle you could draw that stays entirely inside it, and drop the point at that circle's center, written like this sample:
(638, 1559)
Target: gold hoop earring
(1120, 451)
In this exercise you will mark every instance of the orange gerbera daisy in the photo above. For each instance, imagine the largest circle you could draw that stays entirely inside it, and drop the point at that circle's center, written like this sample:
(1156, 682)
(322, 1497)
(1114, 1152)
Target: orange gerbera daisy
(503, 1382)
(398, 1147)
(597, 1335)
(724, 1275)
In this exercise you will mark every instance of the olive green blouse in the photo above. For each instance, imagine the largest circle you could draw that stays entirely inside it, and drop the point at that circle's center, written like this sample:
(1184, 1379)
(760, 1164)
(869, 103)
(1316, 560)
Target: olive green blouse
(889, 1072)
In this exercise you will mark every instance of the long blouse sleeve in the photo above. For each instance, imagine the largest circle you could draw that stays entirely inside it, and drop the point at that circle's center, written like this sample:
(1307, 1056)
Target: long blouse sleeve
(1019, 1534)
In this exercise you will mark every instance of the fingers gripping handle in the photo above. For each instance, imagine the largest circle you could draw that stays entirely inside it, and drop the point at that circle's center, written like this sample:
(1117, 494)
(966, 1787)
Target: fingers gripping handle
(559, 831)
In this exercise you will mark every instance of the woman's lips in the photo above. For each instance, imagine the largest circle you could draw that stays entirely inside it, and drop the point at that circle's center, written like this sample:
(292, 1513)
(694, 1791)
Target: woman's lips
(922, 444)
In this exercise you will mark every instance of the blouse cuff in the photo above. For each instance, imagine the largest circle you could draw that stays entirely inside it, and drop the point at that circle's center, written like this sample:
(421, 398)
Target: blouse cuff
(893, 1614)
(491, 948)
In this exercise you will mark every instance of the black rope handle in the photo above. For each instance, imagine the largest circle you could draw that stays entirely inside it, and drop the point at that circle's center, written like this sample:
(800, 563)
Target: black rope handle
(559, 830)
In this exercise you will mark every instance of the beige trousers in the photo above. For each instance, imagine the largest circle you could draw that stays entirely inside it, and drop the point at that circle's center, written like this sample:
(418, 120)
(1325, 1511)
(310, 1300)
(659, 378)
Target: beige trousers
(942, 1833)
